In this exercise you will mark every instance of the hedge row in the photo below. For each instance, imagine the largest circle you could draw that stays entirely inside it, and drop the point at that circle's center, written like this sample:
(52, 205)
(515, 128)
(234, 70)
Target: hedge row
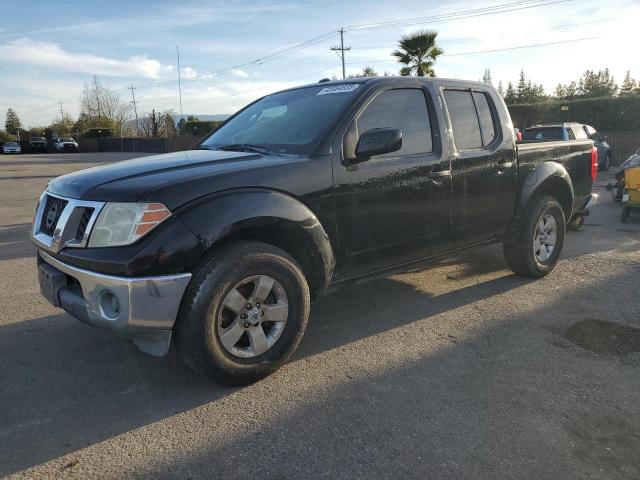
(605, 114)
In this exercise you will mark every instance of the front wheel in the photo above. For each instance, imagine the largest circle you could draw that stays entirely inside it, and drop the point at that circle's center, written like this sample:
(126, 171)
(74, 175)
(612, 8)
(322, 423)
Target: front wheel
(243, 313)
(536, 250)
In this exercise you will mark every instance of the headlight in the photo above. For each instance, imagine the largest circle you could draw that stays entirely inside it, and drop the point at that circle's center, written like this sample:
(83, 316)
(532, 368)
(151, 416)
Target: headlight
(124, 223)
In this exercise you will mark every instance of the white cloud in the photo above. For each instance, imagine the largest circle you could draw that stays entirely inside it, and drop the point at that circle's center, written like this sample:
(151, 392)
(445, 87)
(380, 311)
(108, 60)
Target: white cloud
(239, 73)
(51, 55)
(188, 72)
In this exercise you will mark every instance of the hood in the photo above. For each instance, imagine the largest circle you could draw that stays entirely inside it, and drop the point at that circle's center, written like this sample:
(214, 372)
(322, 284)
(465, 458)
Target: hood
(172, 179)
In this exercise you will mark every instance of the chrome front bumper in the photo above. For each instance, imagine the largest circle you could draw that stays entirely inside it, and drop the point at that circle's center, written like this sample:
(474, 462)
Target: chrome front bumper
(143, 309)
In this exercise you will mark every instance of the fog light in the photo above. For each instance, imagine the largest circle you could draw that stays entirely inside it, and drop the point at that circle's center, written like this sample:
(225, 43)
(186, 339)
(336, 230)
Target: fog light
(109, 304)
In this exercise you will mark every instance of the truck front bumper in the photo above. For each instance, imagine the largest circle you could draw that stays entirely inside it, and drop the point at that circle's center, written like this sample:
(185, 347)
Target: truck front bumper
(142, 309)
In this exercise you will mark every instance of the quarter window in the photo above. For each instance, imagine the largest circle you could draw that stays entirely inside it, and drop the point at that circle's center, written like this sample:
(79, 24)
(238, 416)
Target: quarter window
(464, 120)
(404, 109)
(487, 122)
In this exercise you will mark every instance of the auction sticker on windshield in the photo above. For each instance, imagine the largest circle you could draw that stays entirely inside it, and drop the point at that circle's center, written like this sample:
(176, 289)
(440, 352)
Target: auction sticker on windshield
(338, 89)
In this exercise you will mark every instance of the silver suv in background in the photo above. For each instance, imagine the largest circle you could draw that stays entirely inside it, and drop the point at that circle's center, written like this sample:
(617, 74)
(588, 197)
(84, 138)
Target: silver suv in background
(604, 149)
(570, 131)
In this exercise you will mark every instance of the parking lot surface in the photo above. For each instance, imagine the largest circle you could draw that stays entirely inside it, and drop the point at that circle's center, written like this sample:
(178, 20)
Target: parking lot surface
(460, 370)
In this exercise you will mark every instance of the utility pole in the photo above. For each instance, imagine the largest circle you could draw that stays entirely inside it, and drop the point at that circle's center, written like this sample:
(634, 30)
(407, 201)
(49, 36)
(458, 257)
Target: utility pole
(61, 111)
(135, 108)
(179, 81)
(95, 83)
(341, 49)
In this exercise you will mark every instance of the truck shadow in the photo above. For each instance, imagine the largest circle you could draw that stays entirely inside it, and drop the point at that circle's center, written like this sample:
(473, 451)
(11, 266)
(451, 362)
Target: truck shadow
(15, 241)
(66, 385)
(518, 398)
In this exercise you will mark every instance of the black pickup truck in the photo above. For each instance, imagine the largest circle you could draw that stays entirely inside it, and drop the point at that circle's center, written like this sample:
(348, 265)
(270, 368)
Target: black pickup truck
(224, 247)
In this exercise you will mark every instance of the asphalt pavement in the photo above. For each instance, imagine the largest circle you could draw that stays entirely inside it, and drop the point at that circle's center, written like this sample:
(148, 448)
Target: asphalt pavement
(460, 370)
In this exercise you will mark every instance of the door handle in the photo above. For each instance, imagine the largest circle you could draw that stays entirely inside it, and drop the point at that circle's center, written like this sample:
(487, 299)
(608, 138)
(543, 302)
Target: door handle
(440, 173)
(504, 165)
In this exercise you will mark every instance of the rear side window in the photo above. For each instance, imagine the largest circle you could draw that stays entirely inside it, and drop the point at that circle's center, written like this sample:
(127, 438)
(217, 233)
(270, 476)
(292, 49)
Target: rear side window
(543, 134)
(464, 120)
(404, 109)
(487, 122)
(579, 133)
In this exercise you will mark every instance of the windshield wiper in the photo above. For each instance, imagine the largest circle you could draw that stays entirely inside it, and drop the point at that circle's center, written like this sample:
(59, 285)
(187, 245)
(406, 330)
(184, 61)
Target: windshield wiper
(202, 147)
(245, 147)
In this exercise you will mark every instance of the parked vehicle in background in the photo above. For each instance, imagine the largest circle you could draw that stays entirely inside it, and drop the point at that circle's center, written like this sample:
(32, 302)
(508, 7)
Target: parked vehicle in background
(66, 144)
(11, 147)
(604, 149)
(554, 132)
(632, 161)
(38, 144)
(571, 131)
(304, 191)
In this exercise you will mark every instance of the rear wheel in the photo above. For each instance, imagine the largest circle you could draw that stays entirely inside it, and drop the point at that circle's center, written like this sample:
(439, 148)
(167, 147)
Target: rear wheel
(243, 314)
(536, 250)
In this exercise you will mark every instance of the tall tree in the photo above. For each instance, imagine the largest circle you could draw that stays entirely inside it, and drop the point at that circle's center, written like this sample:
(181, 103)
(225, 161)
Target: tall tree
(486, 77)
(629, 86)
(12, 123)
(419, 53)
(600, 84)
(366, 72)
(64, 125)
(500, 89)
(102, 108)
(511, 96)
(521, 89)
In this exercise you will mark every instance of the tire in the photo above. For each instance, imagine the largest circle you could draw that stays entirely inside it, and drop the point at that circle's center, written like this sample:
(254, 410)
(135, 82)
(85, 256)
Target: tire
(520, 254)
(624, 214)
(576, 222)
(201, 319)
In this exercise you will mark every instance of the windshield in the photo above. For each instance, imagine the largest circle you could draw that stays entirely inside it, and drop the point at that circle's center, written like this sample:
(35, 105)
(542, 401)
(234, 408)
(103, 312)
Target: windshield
(543, 134)
(67, 140)
(11, 144)
(285, 122)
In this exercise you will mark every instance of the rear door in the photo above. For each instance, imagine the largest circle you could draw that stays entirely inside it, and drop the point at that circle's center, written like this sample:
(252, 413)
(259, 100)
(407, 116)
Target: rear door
(483, 167)
(394, 207)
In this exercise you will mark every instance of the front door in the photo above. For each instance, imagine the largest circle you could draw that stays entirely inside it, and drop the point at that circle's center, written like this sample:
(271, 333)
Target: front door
(395, 207)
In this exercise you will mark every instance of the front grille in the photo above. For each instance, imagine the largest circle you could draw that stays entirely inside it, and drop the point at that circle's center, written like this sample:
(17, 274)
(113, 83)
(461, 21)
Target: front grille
(51, 214)
(82, 224)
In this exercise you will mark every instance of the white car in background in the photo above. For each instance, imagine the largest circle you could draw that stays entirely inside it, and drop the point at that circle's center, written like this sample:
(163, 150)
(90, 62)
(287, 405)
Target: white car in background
(66, 144)
(11, 147)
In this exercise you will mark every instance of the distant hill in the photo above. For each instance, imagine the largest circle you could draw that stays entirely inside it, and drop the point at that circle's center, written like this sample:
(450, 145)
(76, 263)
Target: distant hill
(204, 118)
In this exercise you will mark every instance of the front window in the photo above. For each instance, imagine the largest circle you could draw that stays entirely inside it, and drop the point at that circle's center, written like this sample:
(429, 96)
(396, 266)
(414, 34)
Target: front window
(285, 122)
(67, 140)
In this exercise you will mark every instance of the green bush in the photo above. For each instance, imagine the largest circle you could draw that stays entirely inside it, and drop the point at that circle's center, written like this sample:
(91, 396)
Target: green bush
(605, 114)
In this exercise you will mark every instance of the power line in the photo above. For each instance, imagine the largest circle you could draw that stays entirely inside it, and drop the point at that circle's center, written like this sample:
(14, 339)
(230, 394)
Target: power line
(457, 15)
(519, 47)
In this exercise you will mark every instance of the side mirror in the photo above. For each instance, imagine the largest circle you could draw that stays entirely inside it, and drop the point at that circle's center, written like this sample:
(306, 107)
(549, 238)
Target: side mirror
(378, 142)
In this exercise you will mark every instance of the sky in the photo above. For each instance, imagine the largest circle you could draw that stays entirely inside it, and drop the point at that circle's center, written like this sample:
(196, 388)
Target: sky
(48, 50)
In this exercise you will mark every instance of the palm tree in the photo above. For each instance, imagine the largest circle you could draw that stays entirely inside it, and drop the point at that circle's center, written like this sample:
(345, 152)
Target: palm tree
(418, 52)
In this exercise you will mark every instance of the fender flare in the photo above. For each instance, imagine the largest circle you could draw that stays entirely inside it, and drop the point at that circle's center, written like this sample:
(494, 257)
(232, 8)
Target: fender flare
(549, 175)
(215, 218)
